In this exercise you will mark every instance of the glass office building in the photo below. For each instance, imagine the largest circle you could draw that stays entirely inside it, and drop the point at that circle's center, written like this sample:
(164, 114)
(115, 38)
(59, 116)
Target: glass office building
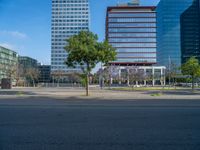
(131, 29)
(44, 73)
(168, 31)
(27, 62)
(190, 32)
(69, 17)
(8, 62)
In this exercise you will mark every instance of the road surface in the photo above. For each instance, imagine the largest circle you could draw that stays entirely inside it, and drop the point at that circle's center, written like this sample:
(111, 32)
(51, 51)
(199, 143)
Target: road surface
(73, 124)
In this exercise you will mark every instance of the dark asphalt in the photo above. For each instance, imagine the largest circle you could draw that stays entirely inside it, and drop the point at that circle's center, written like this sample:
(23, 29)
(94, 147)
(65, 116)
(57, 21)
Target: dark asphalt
(48, 124)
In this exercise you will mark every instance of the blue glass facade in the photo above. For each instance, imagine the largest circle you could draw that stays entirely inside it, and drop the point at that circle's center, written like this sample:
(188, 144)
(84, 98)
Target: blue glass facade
(190, 32)
(168, 30)
(132, 31)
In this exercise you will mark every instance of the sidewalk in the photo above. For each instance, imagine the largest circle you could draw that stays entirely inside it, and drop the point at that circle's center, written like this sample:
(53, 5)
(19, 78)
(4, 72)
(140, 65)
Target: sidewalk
(98, 94)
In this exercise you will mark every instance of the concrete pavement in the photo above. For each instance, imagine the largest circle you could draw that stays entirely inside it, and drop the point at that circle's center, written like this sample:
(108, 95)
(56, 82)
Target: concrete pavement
(99, 94)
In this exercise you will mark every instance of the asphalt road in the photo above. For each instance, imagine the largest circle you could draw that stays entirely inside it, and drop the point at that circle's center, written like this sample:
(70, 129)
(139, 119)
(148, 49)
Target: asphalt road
(49, 124)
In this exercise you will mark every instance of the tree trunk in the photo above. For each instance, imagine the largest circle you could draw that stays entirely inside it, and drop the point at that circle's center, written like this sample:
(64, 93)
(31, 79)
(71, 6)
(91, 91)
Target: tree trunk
(128, 79)
(175, 83)
(192, 84)
(110, 82)
(87, 84)
(132, 87)
(33, 83)
(58, 83)
(17, 83)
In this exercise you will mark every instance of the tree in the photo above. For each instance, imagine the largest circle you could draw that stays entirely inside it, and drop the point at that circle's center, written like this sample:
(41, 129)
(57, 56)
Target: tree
(111, 73)
(95, 78)
(107, 76)
(191, 68)
(173, 72)
(84, 50)
(58, 74)
(11, 71)
(73, 78)
(19, 73)
(32, 74)
(149, 77)
(136, 75)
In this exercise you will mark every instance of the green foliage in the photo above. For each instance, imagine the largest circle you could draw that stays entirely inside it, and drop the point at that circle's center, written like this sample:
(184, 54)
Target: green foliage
(84, 50)
(191, 68)
(83, 80)
(106, 52)
(157, 94)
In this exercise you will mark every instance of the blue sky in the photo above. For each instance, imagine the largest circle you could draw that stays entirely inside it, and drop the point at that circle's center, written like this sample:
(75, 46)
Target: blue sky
(25, 25)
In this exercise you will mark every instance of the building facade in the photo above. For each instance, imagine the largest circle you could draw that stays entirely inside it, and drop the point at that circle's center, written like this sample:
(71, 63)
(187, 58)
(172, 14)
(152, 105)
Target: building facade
(8, 63)
(69, 17)
(27, 62)
(131, 29)
(45, 73)
(135, 75)
(168, 31)
(190, 32)
(28, 68)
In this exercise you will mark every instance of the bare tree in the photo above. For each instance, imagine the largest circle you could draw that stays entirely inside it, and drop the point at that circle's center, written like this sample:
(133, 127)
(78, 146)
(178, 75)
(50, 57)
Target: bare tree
(135, 75)
(172, 72)
(114, 73)
(11, 72)
(95, 78)
(8, 71)
(149, 77)
(58, 75)
(20, 73)
(74, 78)
(32, 74)
(106, 75)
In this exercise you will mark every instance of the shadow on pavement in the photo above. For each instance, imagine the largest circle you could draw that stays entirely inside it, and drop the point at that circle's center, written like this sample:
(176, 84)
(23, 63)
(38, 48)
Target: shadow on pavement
(174, 92)
(17, 93)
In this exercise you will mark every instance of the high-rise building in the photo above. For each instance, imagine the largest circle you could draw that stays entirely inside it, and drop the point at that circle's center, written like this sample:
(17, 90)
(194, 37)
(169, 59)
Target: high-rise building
(168, 30)
(132, 2)
(190, 32)
(69, 17)
(131, 29)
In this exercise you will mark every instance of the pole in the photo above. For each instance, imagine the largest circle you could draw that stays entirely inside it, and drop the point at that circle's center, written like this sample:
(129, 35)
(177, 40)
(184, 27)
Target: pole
(101, 78)
(169, 71)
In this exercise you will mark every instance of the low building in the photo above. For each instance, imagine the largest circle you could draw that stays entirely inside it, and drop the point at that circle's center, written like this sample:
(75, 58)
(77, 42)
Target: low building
(28, 70)
(136, 75)
(44, 73)
(8, 63)
(27, 62)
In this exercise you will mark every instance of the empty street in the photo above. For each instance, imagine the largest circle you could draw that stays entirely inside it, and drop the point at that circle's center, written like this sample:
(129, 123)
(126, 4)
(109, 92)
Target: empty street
(34, 123)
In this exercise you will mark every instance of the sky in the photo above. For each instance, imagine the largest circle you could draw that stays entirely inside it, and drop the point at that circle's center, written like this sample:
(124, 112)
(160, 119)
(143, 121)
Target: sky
(25, 25)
